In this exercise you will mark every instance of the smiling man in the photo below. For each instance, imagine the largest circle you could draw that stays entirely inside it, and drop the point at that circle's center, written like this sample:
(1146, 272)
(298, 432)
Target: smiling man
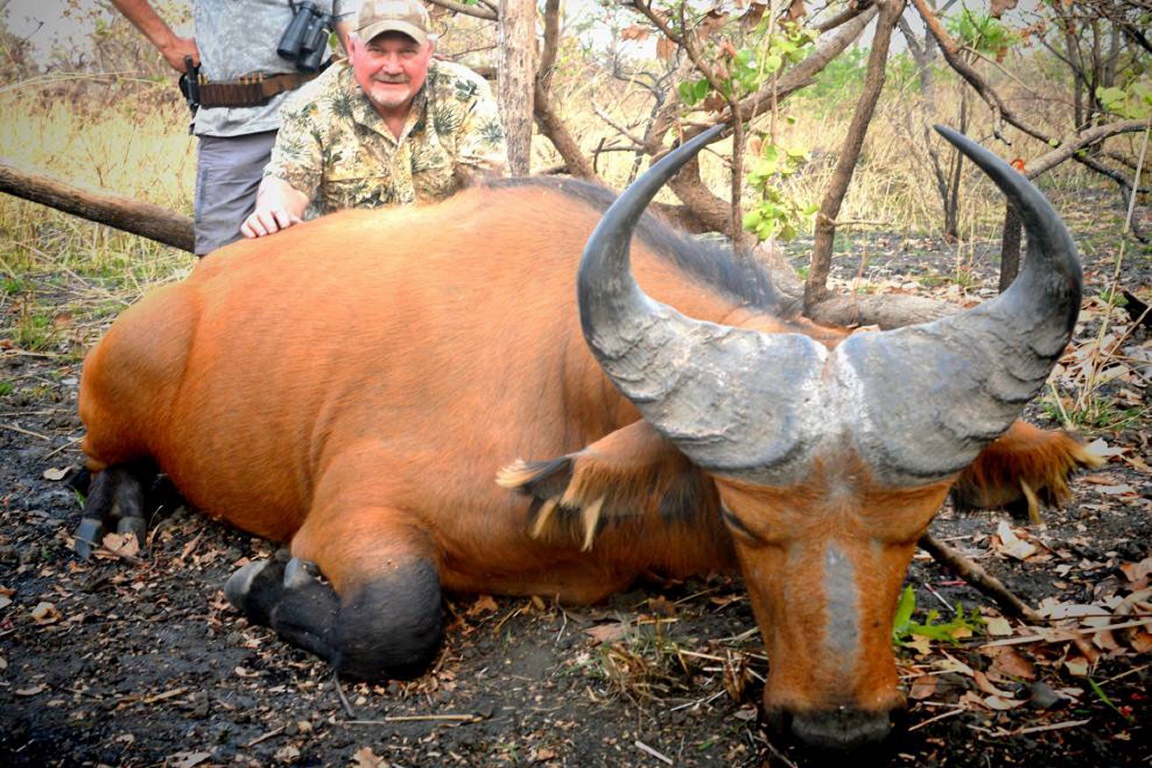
(391, 126)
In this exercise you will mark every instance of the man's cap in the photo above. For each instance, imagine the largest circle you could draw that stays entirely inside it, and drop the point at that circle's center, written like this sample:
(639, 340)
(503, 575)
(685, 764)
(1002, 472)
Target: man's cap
(407, 16)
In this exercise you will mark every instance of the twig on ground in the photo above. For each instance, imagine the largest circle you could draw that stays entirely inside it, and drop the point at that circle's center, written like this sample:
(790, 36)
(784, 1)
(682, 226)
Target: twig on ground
(340, 694)
(270, 735)
(23, 431)
(979, 578)
(942, 716)
(472, 718)
(658, 755)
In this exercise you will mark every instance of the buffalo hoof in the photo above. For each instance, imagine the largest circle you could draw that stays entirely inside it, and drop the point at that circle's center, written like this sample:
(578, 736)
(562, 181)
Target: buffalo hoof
(115, 501)
(122, 499)
(289, 598)
(384, 629)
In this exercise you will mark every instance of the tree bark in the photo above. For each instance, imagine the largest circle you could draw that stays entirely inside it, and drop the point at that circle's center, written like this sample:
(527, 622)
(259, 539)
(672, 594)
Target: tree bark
(1010, 247)
(816, 286)
(515, 81)
(139, 218)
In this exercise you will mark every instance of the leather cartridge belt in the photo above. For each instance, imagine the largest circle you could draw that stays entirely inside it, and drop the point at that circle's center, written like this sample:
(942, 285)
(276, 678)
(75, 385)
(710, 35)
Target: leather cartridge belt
(248, 90)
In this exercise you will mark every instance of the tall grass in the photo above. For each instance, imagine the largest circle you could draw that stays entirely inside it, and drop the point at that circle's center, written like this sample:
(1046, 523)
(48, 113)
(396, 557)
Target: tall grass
(62, 278)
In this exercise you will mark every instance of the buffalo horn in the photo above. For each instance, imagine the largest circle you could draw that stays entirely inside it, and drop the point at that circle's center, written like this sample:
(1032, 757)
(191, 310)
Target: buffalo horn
(931, 396)
(718, 392)
(917, 403)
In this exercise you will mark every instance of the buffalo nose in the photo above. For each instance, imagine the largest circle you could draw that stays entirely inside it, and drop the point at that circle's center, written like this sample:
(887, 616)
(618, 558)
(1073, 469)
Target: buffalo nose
(842, 729)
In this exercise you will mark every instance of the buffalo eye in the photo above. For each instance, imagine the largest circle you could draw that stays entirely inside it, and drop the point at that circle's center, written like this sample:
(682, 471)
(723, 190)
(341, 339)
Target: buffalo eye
(738, 527)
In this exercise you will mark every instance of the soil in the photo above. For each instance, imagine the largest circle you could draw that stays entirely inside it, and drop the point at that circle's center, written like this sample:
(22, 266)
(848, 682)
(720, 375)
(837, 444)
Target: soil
(140, 661)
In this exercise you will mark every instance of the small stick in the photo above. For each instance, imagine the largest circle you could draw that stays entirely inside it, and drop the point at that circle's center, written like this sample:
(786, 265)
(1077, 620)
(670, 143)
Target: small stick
(340, 693)
(271, 734)
(416, 719)
(941, 716)
(166, 695)
(972, 573)
(28, 432)
(658, 755)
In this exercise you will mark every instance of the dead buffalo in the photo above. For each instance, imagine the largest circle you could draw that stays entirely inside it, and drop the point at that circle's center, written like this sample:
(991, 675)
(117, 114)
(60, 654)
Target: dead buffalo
(429, 399)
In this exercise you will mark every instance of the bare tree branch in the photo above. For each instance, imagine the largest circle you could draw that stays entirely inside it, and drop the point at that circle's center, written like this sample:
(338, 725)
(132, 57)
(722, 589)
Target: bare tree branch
(816, 285)
(482, 9)
(1073, 144)
(951, 50)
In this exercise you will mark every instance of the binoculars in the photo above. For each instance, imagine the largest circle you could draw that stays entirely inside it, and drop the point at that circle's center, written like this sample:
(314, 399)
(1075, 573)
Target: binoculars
(306, 39)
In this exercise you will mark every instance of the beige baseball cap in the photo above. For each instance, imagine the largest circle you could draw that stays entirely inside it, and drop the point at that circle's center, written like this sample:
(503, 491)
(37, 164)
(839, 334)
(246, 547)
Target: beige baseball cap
(407, 16)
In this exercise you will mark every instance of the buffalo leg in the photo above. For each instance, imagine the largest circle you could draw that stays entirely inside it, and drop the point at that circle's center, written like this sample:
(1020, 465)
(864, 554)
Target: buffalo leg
(380, 629)
(115, 502)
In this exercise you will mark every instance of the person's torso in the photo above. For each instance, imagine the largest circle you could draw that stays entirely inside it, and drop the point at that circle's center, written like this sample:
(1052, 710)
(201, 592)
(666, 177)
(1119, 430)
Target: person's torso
(365, 165)
(240, 37)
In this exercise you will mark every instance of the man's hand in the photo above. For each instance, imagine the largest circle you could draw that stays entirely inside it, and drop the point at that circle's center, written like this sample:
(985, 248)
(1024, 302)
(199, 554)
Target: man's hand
(268, 222)
(175, 50)
(144, 17)
(279, 205)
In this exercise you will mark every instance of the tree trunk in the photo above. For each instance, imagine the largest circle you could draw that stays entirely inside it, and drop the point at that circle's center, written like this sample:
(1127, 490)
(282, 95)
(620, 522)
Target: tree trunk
(816, 286)
(1010, 247)
(515, 79)
(144, 219)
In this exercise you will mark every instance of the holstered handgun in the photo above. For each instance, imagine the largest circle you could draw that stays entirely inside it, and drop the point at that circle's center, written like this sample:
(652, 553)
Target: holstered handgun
(190, 85)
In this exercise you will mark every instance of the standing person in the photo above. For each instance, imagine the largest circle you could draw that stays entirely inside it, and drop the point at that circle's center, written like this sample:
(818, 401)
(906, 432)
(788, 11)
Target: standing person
(242, 83)
(391, 126)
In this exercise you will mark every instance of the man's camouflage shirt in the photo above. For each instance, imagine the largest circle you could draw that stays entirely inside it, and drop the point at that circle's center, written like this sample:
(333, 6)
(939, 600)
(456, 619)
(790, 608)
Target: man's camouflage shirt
(334, 147)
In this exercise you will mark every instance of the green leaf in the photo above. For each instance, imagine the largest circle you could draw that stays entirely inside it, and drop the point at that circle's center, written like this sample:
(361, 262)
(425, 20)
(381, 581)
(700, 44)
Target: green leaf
(903, 618)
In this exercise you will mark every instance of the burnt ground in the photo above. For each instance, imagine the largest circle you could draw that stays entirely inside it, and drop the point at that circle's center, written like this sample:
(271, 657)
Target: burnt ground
(140, 661)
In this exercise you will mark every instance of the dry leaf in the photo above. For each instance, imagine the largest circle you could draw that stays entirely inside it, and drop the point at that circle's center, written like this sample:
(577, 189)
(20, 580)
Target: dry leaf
(951, 664)
(287, 754)
(122, 544)
(366, 758)
(920, 644)
(483, 605)
(973, 700)
(55, 473)
(1077, 667)
(1001, 704)
(1008, 662)
(923, 687)
(1100, 447)
(1000, 6)
(45, 613)
(1050, 608)
(1012, 545)
(1116, 490)
(985, 685)
(187, 759)
(635, 32)
(606, 633)
(998, 626)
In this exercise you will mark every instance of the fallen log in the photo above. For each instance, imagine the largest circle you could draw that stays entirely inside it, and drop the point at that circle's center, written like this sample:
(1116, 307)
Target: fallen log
(124, 213)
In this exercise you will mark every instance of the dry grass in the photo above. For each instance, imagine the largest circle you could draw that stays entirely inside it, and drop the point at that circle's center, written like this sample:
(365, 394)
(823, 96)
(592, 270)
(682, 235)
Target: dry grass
(62, 278)
(137, 145)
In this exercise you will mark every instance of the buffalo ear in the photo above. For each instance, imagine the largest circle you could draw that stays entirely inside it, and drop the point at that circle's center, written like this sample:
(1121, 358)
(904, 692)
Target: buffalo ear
(629, 474)
(1026, 468)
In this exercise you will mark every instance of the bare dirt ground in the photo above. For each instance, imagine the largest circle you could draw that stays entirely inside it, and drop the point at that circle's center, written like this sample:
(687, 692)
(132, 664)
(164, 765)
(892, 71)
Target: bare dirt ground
(141, 662)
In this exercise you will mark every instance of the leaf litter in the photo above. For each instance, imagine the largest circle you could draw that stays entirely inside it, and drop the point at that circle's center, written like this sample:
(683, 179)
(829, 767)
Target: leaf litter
(137, 659)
